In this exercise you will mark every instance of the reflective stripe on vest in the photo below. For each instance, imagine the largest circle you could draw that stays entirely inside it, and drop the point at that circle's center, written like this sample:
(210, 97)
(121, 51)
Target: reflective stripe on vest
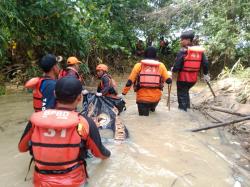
(38, 96)
(149, 76)
(52, 172)
(55, 141)
(191, 65)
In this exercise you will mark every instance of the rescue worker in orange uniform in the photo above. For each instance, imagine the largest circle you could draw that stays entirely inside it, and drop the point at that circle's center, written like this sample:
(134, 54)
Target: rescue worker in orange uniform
(44, 87)
(107, 86)
(188, 62)
(59, 138)
(72, 68)
(148, 77)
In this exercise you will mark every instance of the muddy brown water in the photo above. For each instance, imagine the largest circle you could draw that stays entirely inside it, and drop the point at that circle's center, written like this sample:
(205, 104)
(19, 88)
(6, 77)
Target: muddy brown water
(159, 152)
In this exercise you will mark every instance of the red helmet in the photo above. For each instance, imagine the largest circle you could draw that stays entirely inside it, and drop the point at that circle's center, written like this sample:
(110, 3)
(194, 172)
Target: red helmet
(102, 67)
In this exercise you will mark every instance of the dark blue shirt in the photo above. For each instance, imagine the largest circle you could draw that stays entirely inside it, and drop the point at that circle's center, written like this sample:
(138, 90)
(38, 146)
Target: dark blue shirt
(48, 90)
(106, 88)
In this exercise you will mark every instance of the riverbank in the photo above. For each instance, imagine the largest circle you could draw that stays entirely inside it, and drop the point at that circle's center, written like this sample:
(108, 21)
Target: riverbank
(232, 103)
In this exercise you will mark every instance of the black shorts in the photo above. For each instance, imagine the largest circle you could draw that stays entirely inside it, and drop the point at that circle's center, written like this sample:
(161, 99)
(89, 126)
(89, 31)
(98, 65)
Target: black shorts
(144, 108)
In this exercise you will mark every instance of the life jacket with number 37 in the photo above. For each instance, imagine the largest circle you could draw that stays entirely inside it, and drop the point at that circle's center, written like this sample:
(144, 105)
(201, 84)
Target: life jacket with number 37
(149, 76)
(192, 63)
(56, 143)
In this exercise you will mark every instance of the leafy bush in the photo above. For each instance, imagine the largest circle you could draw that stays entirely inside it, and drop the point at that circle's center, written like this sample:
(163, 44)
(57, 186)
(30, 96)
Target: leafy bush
(2, 89)
(2, 86)
(108, 30)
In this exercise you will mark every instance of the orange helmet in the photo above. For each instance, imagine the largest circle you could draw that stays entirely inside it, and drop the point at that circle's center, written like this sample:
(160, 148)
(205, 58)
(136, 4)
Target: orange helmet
(102, 67)
(73, 60)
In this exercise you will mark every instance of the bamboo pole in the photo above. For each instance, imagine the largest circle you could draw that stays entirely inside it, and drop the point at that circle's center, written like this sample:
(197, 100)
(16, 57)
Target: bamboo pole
(227, 111)
(169, 92)
(210, 87)
(221, 124)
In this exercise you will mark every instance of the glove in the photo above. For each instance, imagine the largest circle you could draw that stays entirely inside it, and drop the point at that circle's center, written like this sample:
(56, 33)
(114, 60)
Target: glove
(170, 73)
(206, 78)
(98, 94)
(122, 96)
(169, 81)
(85, 92)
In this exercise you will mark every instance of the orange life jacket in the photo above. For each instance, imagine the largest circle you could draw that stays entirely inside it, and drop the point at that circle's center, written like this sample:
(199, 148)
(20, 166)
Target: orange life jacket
(191, 66)
(64, 72)
(55, 143)
(149, 76)
(38, 100)
(112, 84)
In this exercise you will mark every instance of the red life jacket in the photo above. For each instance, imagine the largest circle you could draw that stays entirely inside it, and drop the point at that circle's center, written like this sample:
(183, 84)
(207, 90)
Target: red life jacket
(64, 72)
(112, 84)
(191, 66)
(149, 76)
(55, 142)
(38, 100)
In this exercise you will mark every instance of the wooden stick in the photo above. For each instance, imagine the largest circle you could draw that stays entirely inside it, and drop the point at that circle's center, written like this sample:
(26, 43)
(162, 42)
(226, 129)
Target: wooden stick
(221, 134)
(209, 85)
(227, 111)
(221, 124)
(220, 110)
(245, 156)
(169, 91)
(215, 118)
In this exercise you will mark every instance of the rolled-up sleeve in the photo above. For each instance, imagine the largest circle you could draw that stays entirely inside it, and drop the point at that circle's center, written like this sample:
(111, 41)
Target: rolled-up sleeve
(23, 145)
(94, 142)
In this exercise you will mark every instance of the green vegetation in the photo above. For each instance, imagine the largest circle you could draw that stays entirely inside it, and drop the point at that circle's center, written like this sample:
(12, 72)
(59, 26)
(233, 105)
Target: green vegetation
(223, 27)
(2, 86)
(107, 30)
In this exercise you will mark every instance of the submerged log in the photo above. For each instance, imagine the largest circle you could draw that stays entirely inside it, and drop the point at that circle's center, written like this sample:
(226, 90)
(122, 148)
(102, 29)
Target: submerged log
(222, 124)
(200, 108)
(227, 111)
(213, 117)
(221, 134)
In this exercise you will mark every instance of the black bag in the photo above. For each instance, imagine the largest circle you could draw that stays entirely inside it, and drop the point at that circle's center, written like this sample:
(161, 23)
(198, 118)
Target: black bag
(103, 111)
(118, 103)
